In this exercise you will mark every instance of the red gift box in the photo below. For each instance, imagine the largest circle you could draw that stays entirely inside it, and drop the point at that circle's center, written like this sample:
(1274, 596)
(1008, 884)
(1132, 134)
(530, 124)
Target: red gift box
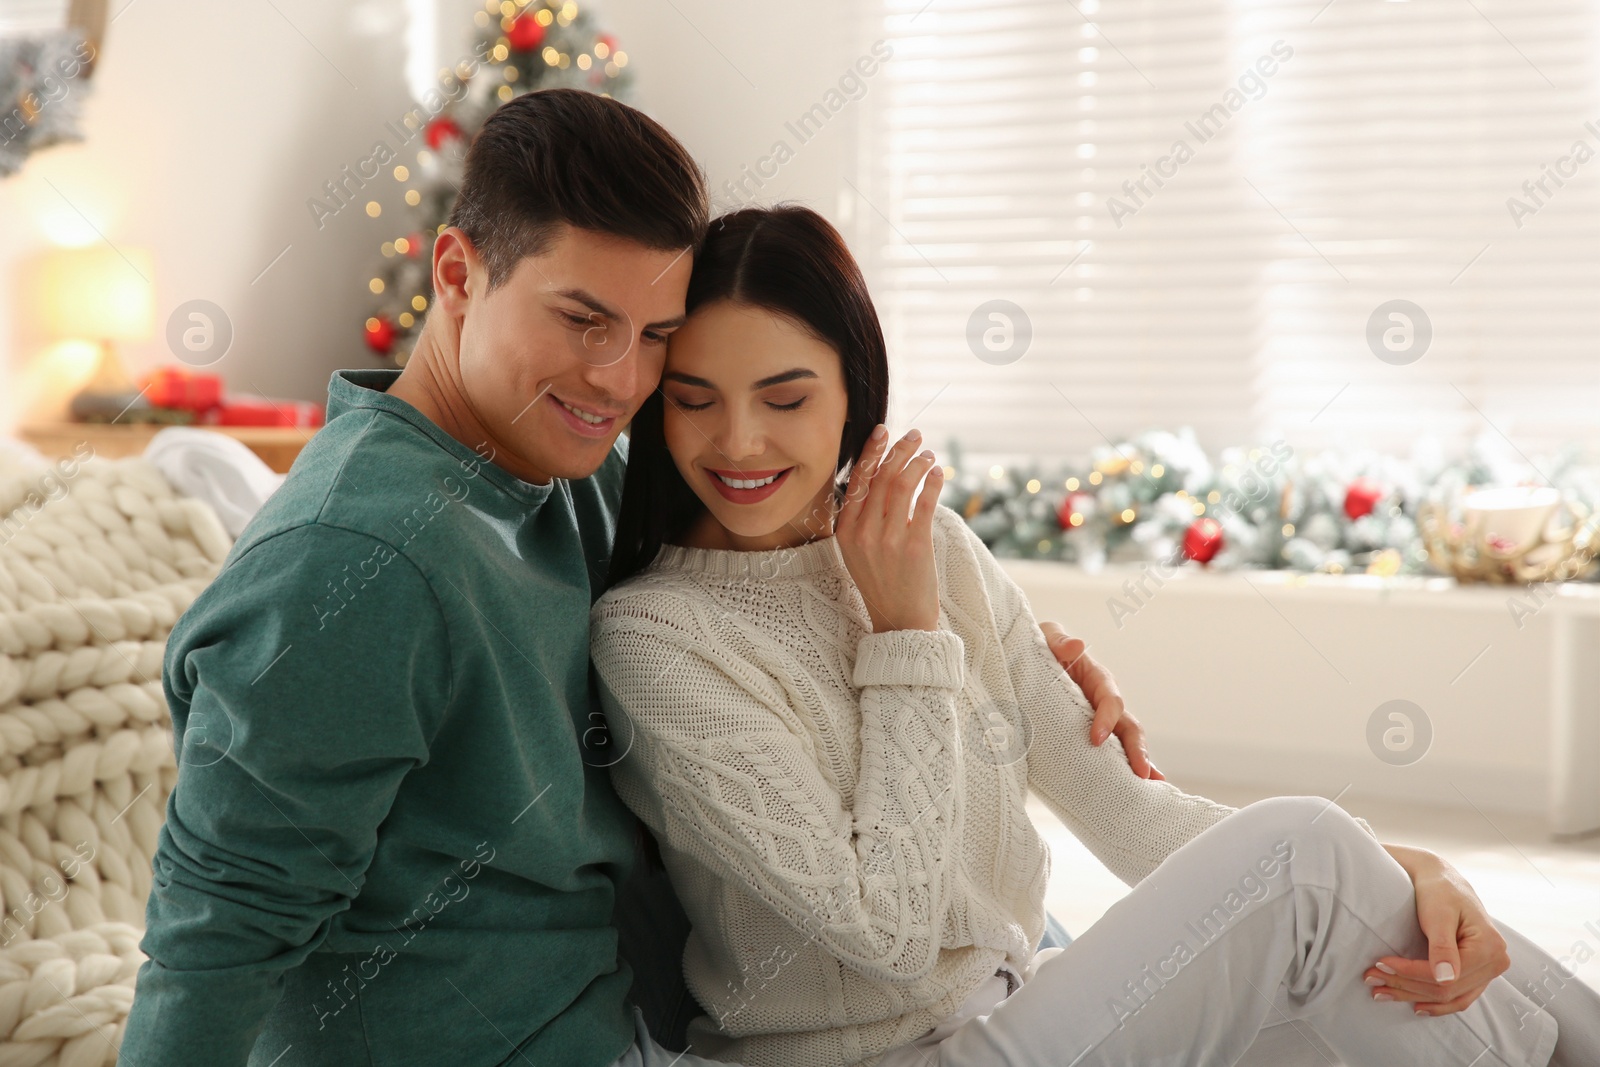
(183, 390)
(260, 411)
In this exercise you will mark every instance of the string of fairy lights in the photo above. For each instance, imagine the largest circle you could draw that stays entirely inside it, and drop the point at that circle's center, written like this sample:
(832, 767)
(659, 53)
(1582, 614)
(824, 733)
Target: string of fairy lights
(520, 45)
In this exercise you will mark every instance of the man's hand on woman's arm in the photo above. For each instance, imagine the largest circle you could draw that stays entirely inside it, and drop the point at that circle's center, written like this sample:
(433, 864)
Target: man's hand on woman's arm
(1111, 716)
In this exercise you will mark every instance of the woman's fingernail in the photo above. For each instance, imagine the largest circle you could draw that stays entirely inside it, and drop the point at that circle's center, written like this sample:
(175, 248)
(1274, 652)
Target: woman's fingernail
(1385, 968)
(1373, 979)
(926, 453)
(1443, 972)
(879, 432)
(1381, 996)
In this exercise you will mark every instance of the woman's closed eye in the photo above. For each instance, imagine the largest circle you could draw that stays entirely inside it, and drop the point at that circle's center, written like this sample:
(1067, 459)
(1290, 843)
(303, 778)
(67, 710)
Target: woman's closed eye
(689, 403)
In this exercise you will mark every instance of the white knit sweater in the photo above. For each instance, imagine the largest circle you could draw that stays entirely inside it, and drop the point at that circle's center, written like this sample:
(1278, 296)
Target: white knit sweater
(842, 812)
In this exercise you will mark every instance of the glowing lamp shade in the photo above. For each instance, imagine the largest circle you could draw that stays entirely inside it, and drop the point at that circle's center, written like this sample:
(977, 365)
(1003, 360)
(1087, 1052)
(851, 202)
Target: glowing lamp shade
(98, 294)
(104, 295)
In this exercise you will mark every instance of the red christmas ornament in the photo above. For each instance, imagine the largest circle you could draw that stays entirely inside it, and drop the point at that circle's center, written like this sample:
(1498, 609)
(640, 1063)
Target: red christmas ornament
(1361, 498)
(1074, 504)
(1202, 540)
(609, 41)
(414, 245)
(525, 33)
(380, 335)
(440, 130)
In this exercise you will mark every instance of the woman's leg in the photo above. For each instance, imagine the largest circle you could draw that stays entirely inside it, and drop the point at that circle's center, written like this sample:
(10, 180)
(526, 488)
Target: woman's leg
(1576, 1006)
(1533, 971)
(1269, 917)
(1289, 1044)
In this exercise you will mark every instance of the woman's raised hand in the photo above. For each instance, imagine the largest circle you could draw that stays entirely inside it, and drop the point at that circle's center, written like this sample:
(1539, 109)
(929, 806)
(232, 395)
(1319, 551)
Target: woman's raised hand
(887, 544)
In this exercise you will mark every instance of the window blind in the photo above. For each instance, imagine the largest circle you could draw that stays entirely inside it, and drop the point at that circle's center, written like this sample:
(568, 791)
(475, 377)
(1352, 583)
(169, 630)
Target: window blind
(1207, 211)
(31, 16)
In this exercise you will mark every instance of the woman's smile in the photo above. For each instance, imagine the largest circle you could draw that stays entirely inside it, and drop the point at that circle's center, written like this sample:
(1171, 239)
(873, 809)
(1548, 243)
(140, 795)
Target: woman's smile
(747, 487)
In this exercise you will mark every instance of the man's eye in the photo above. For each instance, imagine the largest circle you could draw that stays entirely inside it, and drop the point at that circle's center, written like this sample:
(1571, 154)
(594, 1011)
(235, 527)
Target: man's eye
(581, 320)
(653, 338)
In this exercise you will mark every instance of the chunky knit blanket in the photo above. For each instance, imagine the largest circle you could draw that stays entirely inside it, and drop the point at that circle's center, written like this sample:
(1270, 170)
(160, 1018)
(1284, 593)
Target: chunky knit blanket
(97, 561)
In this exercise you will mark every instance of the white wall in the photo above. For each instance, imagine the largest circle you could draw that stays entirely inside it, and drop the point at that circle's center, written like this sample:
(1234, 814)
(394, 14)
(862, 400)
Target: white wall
(210, 125)
(725, 76)
(1270, 680)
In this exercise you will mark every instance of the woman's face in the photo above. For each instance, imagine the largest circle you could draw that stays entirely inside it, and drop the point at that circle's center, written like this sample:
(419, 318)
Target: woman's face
(755, 408)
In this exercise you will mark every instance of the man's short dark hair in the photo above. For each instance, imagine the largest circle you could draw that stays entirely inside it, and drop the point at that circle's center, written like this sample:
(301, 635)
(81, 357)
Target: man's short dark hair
(558, 156)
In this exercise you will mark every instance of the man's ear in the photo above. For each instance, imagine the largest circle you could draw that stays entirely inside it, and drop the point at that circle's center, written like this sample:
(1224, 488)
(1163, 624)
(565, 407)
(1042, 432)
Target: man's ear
(458, 273)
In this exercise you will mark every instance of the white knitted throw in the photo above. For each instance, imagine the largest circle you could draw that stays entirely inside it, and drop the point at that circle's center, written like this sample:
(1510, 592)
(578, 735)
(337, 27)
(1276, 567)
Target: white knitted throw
(843, 813)
(97, 561)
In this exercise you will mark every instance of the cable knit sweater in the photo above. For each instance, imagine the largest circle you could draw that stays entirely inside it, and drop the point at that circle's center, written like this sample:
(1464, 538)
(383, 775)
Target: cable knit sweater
(842, 811)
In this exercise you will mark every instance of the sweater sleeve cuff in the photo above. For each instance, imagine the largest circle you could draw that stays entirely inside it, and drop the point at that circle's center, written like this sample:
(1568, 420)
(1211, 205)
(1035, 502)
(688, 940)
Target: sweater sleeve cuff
(911, 657)
(1365, 826)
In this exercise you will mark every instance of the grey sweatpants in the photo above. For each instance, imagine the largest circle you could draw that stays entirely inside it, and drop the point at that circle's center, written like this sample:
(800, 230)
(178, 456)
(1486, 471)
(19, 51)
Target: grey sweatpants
(1248, 945)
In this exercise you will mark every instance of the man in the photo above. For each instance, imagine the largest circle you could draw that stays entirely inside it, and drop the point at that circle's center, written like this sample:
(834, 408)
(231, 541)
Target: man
(393, 839)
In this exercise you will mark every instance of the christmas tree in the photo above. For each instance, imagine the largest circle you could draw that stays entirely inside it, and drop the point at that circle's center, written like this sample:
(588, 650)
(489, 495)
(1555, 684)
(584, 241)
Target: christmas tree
(42, 82)
(521, 45)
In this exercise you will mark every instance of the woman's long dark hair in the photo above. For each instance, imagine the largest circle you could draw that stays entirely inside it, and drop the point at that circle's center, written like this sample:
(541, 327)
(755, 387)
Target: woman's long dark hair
(790, 261)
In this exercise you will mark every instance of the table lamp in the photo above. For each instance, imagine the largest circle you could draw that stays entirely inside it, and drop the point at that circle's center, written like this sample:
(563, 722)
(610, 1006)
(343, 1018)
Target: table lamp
(104, 295)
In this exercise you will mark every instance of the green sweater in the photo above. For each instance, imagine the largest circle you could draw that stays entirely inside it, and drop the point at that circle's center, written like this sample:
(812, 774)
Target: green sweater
(393, 838)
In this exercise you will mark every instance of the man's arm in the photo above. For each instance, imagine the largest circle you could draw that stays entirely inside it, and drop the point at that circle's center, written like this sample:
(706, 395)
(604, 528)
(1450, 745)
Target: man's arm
(302, 686)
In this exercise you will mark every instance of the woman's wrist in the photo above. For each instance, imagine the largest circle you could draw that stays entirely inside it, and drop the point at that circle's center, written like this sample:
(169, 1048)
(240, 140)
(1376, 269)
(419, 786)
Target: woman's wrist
(1417, 862)
(887, 621)
(890, 625)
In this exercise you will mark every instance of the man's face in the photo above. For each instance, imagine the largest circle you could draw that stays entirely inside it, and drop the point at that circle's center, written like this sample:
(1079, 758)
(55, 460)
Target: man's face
(558, 359)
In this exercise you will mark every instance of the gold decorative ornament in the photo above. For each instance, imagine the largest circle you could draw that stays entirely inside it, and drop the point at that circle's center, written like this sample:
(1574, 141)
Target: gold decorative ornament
(1505, 535)
(1113, 465)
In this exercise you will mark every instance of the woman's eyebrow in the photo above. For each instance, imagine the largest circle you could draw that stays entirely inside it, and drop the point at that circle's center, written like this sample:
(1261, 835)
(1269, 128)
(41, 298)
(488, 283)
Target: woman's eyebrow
(687, 379)
(776, 379)
(787, 376)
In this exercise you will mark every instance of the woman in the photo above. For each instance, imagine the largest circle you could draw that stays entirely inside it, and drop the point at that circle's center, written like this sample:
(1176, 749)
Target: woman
(836, 703)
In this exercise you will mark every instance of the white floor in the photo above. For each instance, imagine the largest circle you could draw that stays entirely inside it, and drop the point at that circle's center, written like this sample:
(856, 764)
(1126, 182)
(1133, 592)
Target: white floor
(1545, 889)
